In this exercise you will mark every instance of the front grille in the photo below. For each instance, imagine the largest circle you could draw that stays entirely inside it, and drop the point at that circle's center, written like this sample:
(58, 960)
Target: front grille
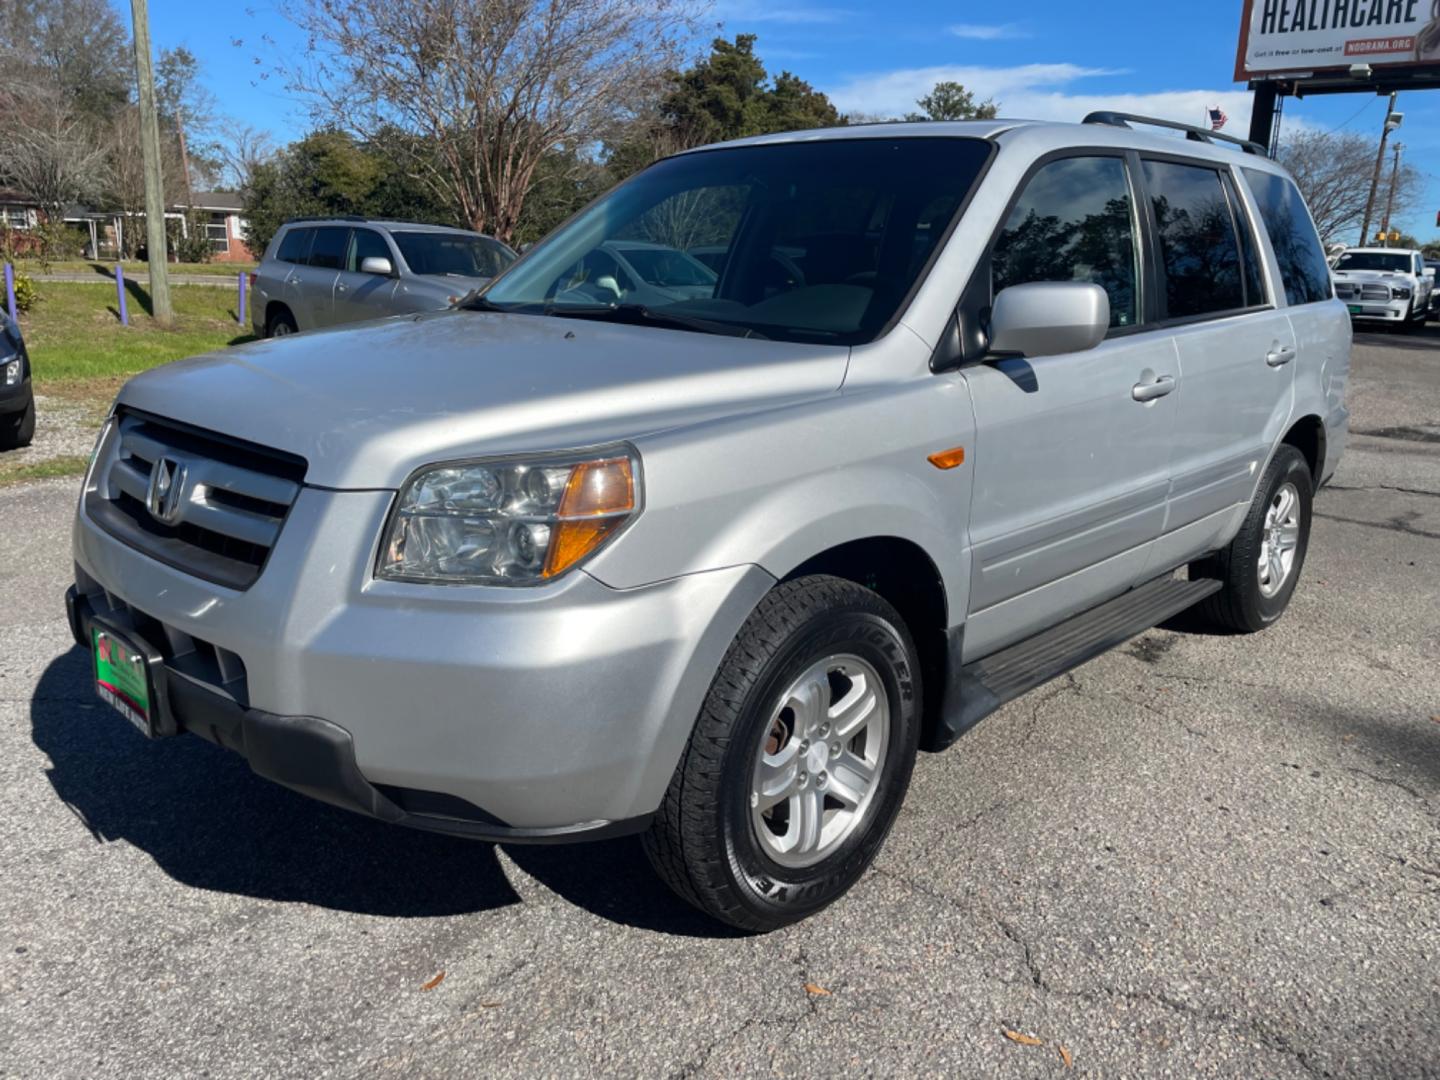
(214, 511)
(1350, 290)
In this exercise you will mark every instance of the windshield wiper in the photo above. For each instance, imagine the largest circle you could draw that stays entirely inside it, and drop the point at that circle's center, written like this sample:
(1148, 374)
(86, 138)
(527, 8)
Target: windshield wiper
(640, 315)
(473, 301)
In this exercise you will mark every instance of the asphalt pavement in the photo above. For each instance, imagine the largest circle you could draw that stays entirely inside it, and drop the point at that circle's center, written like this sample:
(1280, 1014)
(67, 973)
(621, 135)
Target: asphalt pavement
(1198, 855)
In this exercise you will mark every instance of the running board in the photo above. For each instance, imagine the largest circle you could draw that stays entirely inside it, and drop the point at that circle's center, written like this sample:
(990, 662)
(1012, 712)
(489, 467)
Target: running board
(985, 685)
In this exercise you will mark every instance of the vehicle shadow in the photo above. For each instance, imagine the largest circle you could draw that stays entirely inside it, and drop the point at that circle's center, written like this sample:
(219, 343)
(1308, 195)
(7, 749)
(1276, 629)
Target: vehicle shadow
(211, 823)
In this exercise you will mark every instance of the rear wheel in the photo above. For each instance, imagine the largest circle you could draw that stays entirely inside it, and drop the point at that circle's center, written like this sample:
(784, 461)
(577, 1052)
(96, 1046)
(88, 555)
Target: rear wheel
(1261, 566)
(280, 323)
(799, 761)
(18, 429)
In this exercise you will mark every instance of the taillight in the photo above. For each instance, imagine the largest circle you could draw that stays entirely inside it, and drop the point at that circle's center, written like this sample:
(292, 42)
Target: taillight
(253, 276)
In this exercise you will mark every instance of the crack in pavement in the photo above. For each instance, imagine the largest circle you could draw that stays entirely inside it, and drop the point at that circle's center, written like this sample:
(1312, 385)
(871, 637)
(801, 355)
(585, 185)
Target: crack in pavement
(1395, 524)
(1383, 487)
(1264, 1034)
(1387, 780)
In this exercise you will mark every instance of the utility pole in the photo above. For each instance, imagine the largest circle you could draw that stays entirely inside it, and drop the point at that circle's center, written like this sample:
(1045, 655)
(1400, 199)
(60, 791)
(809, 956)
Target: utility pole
(150, 153)
(1391, 123)
(1394, 182)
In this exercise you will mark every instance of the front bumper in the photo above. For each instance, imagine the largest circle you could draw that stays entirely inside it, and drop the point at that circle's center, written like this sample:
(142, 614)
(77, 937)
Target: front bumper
(16, 398)
(1378, 311)
(525, 713)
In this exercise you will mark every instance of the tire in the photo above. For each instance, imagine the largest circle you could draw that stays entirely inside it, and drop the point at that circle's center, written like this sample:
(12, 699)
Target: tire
(822, 633)
(280, 323)
(1249, 599)
(17, 429)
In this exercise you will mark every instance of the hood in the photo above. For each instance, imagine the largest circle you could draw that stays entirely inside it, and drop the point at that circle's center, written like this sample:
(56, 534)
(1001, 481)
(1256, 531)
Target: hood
(451, 284)
(1374, 275)
(367, 405)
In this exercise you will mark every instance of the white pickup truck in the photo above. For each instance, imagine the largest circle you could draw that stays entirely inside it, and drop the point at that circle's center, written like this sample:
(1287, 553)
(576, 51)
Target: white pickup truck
(1384, 285)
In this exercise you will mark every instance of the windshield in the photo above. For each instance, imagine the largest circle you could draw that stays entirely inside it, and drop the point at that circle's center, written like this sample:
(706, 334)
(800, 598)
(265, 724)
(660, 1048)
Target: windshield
(666, 266)
(453, 253)
(1374, 260)
(804, 241)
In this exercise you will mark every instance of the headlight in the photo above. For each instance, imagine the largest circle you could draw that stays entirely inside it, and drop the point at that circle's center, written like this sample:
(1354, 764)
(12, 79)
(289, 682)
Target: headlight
(514, 522)
(14, 369)
(1401, 294)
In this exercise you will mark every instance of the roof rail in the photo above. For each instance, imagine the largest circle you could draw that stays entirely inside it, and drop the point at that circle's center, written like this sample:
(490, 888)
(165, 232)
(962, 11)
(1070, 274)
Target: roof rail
(325, 217)
(1193, 133)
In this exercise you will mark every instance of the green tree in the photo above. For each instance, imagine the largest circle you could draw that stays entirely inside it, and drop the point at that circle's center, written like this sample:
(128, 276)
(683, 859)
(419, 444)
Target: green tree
(951, 101)
(1432, 249)
(330, 173)
(727, 95)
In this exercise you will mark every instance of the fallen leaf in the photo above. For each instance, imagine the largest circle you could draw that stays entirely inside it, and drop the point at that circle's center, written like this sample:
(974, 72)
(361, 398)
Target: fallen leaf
(818, 991)
(1067, 1057)
(435, 981)
(1021, 1038)
(491, 1004)
(1435, 719)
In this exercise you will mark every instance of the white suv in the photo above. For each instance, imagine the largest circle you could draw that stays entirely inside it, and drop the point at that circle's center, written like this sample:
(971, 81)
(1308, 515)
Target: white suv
(1384, 285)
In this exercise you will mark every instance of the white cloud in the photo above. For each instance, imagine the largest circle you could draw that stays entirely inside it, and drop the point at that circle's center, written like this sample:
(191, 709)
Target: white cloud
(895, 92)
(1040, 92)
(987, 31)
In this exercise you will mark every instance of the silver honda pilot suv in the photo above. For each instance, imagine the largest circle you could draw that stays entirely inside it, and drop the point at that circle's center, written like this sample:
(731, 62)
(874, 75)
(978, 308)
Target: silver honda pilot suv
(785, 459)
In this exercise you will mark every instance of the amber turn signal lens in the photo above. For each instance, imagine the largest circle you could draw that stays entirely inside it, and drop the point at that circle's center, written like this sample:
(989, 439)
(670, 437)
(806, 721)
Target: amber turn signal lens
(598, 497)
(948, 459)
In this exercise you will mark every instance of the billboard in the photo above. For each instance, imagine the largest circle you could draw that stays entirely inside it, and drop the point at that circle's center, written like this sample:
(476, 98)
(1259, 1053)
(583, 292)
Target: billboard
(1300, 37)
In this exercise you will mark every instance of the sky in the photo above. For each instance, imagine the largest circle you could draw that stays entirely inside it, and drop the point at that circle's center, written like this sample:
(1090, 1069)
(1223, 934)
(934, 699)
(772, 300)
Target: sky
(1054, 60)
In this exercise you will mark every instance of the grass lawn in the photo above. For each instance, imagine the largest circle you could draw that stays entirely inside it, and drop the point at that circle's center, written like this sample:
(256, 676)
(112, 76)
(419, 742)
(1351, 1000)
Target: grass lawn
(81, 356)
(75, 338)
(132, 268)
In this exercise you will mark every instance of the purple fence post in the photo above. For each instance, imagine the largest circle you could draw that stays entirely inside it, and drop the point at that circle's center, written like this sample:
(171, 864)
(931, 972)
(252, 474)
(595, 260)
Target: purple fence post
(241, 312)
(120, 294)
(10, 291)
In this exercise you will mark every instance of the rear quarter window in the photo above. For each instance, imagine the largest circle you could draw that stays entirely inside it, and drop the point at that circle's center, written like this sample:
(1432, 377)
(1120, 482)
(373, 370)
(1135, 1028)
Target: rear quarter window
(294, 246)
(1303, 269)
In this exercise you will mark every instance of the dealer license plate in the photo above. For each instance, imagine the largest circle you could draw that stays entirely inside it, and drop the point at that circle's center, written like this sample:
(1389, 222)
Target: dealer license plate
(1356, 309)
(122, 678)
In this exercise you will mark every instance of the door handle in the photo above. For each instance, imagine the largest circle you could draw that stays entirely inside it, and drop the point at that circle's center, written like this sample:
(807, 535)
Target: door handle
(340, 288)
(1149, 391)
(1280, 355)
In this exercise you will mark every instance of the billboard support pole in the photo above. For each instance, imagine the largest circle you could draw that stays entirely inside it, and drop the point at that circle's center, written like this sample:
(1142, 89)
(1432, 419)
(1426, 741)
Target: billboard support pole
(1390, 204)
(1375, 177)
(1262, 113)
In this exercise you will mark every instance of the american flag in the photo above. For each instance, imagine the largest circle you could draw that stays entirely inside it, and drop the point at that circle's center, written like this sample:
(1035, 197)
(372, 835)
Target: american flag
(1218, 119)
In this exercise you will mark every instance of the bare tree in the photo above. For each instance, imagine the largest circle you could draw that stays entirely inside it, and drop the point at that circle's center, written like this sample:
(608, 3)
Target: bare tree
(1333, 171)
(53, 154)
(488, 87)
(241, 150)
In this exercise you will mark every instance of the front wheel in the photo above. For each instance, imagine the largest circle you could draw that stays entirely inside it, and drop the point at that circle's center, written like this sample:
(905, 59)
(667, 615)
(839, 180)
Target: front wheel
(799, 761)
(1261, 566)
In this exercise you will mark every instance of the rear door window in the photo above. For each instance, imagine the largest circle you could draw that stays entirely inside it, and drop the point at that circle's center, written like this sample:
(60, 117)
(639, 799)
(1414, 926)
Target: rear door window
(328, 251)
(295, 246)
(1074, 221)
(1303, 269)
(1199, 245)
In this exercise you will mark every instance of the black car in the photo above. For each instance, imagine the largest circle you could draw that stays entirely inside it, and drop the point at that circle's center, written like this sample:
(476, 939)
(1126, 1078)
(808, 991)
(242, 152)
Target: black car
(17, 399)
(1434, 265)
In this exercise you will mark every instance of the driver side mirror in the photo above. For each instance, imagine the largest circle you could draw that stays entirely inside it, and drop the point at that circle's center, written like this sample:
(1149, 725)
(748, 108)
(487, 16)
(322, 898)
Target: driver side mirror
(378, 265)
(1049, 318)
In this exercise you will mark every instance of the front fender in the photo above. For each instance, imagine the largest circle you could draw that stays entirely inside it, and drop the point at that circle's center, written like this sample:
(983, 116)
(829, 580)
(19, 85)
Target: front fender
(777, 488)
